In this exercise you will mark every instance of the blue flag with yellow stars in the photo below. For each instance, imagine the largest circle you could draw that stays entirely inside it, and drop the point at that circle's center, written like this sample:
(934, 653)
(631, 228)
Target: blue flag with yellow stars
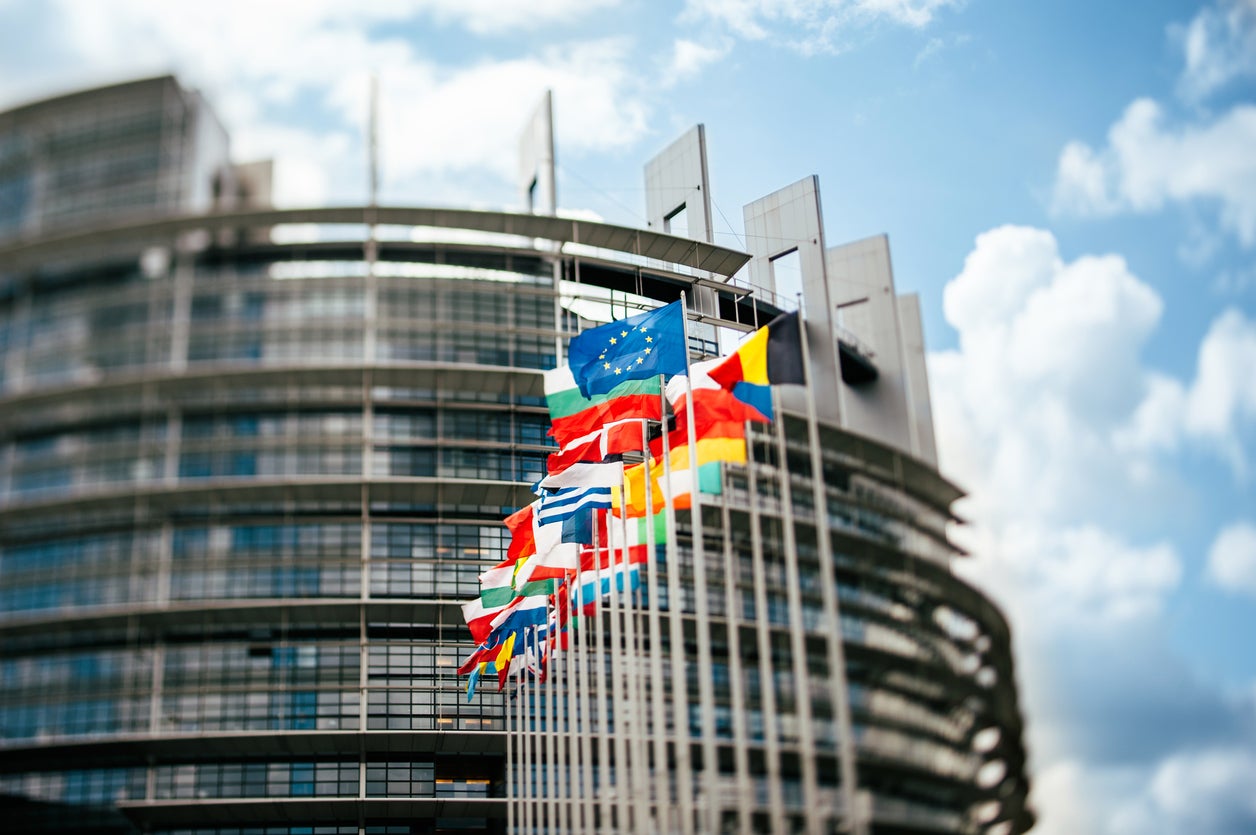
(635, 348)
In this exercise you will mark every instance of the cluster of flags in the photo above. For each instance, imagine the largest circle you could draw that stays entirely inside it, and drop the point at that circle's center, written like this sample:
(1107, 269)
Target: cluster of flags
(589, 528)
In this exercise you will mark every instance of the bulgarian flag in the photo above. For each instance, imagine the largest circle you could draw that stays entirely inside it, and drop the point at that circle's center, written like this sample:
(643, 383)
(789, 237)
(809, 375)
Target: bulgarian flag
(574, 416)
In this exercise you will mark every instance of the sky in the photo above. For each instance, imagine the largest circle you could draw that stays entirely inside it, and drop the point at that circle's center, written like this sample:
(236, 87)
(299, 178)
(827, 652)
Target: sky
(1069, 186)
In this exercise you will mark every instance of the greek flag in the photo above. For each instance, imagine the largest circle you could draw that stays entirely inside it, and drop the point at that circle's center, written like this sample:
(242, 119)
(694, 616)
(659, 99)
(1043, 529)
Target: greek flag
(566, 502)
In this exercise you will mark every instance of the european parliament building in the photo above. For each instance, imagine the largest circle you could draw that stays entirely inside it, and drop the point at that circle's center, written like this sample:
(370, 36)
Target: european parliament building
(252, 460)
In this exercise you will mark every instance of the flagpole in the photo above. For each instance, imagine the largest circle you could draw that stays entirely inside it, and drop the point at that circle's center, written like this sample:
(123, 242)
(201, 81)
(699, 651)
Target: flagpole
(571, 716)
(676, 641)
(619, 697)
(736, 674)
(626, 710)
(540, 760)
(763, 635)
(640, 756)
(603, 737)
(545, 811)
(583, 690)
(554, 787)
(535, 763)
(657, 691)
(510, 762)
(525, 750)
(853, 818)
(797, 634)
(632, 673)
(702, 615)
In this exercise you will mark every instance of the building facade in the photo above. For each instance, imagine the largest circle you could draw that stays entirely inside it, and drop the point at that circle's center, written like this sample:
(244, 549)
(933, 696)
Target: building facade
(247, 476)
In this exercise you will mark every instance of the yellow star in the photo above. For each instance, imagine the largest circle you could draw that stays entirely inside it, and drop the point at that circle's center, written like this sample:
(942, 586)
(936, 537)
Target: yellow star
(640, 360)
(649, 339)
(643, 328)
(613, 340)
(648, 350)
(607, 366)
(618, 370)
(623, 333)
(602, 355)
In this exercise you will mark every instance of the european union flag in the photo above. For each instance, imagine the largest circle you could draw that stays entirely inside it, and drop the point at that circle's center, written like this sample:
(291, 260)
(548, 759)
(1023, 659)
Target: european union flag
(635, 348)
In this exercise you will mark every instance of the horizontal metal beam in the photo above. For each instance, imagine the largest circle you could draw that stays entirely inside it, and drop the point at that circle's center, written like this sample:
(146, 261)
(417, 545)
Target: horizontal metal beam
(642, 243)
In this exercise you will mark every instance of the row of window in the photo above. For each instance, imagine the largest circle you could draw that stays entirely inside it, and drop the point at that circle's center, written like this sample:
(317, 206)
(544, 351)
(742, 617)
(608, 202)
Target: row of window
(284, 779)
(83, 360)
(210, 431)
(269, 542)
(90, 309)
(60, 476)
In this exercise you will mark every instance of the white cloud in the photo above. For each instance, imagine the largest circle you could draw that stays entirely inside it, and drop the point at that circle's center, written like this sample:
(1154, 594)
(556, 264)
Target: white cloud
(811, 25)
(690, 57)
(1072, 579)
(1049, 416)
(1147, 164)
(1217, 409)
(505, 16)
(435, 120)
(290, 81)
(1223, 396)
(1186, 793)
(1235, 281)
(1232, 559)
(1203, 791)
(1046, 371)
(1157, 422)
(1218, 46)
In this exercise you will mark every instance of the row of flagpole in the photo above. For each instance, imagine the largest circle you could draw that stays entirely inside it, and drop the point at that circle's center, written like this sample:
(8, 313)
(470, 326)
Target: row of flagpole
(572, 720)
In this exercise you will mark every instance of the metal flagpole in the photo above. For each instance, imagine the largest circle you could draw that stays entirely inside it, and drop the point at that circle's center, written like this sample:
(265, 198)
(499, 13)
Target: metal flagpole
(736, 669)
(625, 727)
(583, 701)
(545, 660)
(767, 676)
(525, 752)
(636, 684)
(853, 817)
(658, 692)
(676, 647)
(702, 615)
(618, 707)
(570, 718)
(603, 738)
(510, 762)
(543, 812)
(741, 753)
(797, 637)
(562, 721)
(640, 795)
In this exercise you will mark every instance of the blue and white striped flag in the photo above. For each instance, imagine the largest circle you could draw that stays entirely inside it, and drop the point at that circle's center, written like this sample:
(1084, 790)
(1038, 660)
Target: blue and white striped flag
(566, 502)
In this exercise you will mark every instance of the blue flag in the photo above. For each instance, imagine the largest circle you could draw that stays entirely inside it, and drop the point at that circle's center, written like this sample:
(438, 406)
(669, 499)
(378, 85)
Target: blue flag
(635, 348)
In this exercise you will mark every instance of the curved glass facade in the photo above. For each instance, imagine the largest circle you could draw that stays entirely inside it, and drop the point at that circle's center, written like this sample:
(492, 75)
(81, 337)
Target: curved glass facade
(244, 486)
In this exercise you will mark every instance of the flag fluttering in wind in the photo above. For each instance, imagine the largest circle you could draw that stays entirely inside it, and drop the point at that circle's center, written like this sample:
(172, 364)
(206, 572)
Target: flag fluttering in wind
(590, 530)
(636, 348)
(613, 439)
(573, 415)
(771, 356)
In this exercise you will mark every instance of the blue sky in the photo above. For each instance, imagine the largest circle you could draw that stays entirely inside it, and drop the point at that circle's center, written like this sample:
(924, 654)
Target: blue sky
(1070, 186)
